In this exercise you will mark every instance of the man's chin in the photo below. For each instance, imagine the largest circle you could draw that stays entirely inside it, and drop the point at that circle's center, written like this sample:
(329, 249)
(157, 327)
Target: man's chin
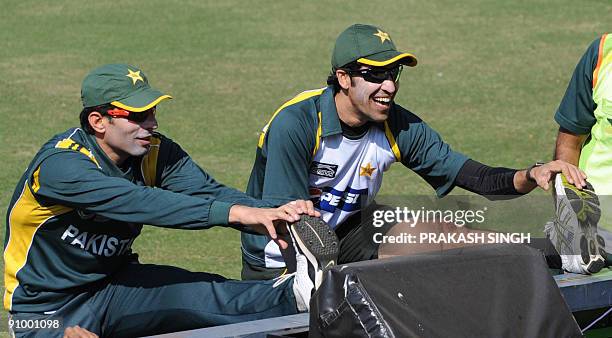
(379, 117)
(141, 151)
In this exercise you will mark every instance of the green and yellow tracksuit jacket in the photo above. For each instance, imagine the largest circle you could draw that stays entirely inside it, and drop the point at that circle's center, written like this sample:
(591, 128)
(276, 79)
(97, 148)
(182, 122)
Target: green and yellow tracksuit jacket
(74, 214)
(303, 154)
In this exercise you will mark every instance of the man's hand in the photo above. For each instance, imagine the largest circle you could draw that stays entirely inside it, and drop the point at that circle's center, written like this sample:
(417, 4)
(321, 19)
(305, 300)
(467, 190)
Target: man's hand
(78, 332)
(546, 173)
(272, 221)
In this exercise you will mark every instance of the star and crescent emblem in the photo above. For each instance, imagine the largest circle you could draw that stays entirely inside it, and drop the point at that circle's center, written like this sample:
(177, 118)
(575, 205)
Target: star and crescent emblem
(382, 35)
(135, 76)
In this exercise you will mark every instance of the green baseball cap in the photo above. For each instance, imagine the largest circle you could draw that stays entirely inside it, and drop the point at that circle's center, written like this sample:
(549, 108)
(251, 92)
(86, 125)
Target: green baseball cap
(368, 45)
(121, 85)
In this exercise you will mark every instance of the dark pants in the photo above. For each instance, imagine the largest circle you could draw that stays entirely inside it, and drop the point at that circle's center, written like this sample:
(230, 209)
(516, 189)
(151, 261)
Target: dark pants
(144, 299)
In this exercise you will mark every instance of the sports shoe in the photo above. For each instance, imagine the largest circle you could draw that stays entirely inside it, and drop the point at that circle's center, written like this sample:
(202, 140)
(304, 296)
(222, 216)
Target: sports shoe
(573, 232)
(316, 249)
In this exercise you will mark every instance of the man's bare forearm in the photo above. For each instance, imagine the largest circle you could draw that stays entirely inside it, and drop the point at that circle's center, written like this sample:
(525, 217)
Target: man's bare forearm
(568, 146)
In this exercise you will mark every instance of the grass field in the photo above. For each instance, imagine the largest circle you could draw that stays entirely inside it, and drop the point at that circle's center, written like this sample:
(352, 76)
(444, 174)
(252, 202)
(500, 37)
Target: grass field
(490, 76)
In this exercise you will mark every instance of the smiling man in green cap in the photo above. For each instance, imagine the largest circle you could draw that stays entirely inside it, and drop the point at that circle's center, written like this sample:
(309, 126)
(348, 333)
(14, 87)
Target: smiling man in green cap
(332, 145)
(83, 201)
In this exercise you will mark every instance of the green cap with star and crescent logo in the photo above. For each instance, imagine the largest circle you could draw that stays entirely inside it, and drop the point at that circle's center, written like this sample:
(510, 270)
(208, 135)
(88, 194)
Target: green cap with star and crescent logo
(368, 45)
(121, 85)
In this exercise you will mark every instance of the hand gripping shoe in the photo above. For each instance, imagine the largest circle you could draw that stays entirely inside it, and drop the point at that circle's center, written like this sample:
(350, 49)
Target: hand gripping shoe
(574, 230)
(316, 246)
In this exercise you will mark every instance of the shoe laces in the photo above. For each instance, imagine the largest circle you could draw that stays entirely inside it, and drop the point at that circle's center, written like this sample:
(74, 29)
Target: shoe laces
(282, 278)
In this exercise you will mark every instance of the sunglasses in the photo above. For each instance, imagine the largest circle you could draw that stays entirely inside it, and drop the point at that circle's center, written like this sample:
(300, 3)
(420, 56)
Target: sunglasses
(130, 115)
(377, 75)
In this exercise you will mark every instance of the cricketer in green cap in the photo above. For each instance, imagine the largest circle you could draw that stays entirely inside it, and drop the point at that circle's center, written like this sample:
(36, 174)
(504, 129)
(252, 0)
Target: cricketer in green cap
(121, 85)
(84, 200)
(368, 45)
(344, 137)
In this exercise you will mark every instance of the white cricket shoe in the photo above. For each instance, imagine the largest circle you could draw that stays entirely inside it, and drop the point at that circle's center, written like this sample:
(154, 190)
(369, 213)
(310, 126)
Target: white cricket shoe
(316, 246)
(573, 232)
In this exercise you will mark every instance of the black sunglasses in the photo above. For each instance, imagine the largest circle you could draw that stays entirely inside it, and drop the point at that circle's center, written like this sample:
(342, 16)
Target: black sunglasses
(130, 115)
(377, 75)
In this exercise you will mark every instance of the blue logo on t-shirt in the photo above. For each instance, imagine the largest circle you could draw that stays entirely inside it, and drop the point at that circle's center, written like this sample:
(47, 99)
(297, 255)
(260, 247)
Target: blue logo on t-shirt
(348, 200)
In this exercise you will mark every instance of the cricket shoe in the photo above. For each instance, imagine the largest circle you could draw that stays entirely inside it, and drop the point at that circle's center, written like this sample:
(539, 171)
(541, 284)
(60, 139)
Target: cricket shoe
(316, 249)
(573, 232)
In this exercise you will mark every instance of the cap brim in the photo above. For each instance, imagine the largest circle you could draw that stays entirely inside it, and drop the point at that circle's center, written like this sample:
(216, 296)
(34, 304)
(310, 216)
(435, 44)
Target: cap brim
(142, 100)
(388, 57)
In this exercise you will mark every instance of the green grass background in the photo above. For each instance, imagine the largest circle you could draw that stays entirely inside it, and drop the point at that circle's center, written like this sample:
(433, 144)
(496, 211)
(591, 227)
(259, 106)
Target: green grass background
(490, 76)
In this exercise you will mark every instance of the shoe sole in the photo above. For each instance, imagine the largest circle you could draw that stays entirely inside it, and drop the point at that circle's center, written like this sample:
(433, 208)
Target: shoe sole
(317, 242)
(585, 205)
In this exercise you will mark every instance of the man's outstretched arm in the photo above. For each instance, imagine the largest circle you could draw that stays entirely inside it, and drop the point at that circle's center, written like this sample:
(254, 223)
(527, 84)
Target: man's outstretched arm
(503, 183)
(272, 222)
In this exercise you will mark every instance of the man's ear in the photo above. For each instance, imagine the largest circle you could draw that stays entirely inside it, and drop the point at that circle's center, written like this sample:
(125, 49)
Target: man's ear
(97, 122)
(344, 79)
